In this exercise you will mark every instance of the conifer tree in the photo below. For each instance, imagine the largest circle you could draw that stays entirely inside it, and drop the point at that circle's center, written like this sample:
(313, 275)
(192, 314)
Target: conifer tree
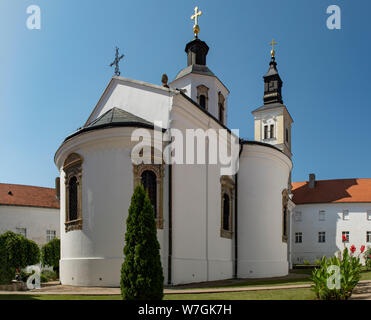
(141, 272)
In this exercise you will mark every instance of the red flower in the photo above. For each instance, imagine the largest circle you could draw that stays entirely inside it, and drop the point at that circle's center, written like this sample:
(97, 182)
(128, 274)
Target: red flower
(353, 248)
(363, 248)
(345, 238)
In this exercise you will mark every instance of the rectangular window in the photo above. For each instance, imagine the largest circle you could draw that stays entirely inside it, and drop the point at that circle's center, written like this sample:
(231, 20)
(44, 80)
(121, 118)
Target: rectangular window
(368, 236)
(345, 214)
(345, 234)
(298, 237)
(369, 215)
(287, 135)
(322, 215)
(272, 131)
(50, 235)
(21, 231)
(265, 132)
(321, 237)
(298, 216)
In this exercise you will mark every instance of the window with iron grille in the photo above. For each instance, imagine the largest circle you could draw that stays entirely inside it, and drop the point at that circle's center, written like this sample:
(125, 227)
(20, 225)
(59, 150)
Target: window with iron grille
(298, 237)
(321, 237)
(346, 234)
(50, 235)
(298, 216)
(322, 215)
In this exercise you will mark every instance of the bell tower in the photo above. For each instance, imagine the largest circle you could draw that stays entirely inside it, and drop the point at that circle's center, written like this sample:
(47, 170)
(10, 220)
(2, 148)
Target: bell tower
(272, 120)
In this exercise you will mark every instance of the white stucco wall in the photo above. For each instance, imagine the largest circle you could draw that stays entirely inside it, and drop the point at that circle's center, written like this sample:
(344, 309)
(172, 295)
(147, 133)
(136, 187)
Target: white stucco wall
(35, 220)
(190, 83)
(199, 252)
(310, 249)
(262, 177)
(147, 101)
(93, 256)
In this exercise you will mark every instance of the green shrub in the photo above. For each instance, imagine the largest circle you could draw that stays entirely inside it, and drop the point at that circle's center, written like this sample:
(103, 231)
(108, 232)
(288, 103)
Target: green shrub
(141, 272)
(367, 256)
(51, 253)
(16, 252)
(48, 275)
(349, 271)
(306, 262)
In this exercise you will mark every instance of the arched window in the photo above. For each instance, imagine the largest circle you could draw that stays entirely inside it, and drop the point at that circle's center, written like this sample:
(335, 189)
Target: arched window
(227, 196)
(203, 96)
(221, 112)
(226, 212)
(150, 185)
(73, 198)
(73, 175)
(151, 177)
(203, 101)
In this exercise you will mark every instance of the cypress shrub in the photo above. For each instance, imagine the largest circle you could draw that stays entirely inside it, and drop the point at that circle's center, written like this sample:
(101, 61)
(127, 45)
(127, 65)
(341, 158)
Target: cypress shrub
(16, 252)
(141, 272)
(51, 254)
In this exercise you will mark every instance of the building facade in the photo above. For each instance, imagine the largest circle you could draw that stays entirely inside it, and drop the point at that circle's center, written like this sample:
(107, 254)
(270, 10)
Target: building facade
(210, 226)
(325, 211)
(30, 211)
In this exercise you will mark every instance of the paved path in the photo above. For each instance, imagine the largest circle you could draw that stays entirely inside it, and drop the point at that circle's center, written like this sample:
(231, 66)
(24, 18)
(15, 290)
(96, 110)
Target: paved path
(57, 289)
(362, 291)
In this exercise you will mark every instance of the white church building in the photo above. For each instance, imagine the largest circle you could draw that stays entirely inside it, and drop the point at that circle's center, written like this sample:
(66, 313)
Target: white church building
(210, 226)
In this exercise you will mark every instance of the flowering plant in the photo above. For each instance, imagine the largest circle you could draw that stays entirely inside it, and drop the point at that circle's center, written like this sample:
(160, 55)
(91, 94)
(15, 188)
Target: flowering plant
(345, 269)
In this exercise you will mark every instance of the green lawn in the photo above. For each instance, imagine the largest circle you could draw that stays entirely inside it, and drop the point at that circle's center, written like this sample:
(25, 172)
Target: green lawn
(288, 294)
(366, 275)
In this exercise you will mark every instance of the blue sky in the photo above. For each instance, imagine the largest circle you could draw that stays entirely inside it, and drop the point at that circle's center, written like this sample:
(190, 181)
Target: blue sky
(50, 79)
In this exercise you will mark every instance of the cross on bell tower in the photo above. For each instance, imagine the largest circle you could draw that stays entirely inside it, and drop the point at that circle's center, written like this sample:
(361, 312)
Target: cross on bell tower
(196, 27)
(272, 120)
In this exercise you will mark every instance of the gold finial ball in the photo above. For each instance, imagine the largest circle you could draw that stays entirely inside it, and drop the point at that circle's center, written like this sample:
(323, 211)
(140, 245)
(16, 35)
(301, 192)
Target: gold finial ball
(196, 29)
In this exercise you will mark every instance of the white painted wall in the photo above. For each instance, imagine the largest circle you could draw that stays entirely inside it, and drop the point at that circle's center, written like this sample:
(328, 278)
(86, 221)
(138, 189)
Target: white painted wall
(93, 256)
(36, 221)
(263, 175)
(199, 252)
(147, 101)
(310, 249)
(191, 81)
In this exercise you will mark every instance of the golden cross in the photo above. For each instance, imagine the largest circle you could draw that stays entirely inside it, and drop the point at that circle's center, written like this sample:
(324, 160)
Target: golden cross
(196, 15)
(273, 43)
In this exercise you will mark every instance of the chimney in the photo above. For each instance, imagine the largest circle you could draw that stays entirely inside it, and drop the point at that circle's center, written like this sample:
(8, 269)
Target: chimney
(312, 181)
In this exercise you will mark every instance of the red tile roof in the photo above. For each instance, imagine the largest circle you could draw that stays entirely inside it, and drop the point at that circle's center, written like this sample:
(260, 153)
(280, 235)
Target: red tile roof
(30, 196)
(327, 191)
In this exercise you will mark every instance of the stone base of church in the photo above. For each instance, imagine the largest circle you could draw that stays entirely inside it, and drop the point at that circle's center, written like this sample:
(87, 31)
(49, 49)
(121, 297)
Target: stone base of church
(199, 270)
(105, 272)
(262, 269)
(91, 272)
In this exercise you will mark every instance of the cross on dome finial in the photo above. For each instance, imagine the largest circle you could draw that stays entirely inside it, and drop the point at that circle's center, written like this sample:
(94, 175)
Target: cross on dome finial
(196, 28)
(116, 62)
(273, 43)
